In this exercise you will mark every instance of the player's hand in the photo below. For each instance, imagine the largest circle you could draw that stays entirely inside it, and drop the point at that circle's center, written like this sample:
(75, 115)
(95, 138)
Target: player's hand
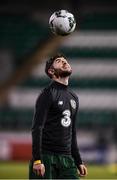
(82, 170)
(39, 169)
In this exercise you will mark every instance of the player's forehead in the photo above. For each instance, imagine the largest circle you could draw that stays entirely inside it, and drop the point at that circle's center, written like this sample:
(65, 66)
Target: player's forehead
(60, 59)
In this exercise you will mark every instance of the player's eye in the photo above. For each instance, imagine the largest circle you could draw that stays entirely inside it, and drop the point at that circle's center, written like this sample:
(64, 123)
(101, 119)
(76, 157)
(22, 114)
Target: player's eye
(58, 60)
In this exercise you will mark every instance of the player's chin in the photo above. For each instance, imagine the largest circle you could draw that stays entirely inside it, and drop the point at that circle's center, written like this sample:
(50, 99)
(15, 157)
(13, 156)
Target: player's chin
(67, 70)
(67, 73)
(70, 71)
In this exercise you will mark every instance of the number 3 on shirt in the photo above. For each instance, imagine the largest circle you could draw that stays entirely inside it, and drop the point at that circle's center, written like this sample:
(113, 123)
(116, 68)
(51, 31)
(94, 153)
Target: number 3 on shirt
(66, 120)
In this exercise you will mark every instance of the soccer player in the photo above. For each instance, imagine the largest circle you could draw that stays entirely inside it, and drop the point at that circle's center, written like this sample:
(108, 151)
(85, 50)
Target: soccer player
(55, 153)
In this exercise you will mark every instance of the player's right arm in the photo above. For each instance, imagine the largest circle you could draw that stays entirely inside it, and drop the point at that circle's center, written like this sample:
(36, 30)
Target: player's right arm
(41, 110)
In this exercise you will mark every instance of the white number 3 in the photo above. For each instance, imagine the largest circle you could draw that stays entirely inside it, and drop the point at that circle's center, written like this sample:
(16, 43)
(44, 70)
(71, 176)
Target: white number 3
(66, 120)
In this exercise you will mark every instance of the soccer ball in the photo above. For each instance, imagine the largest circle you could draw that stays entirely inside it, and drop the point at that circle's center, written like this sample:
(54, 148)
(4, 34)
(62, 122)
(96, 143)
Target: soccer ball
(62, 22)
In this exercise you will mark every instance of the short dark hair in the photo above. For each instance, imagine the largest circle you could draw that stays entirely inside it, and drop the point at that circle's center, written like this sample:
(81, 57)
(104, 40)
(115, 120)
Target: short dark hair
(50, 62)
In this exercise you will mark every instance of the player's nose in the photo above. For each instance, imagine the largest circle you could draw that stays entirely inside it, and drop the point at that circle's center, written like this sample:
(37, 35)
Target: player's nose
(64, 62)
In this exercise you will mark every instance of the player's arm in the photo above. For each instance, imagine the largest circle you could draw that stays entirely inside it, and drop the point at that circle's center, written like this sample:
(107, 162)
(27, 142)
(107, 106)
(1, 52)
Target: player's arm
(75, 150)
(41, 110)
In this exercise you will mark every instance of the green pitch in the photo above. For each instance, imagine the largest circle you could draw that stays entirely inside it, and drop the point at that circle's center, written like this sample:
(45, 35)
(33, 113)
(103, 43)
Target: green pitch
(19, 170)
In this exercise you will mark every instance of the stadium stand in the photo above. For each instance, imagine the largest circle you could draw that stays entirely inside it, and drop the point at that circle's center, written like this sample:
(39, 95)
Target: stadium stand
(92, 51)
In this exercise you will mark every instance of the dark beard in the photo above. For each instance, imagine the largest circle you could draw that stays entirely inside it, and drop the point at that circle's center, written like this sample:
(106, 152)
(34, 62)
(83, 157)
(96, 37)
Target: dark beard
(59, 73)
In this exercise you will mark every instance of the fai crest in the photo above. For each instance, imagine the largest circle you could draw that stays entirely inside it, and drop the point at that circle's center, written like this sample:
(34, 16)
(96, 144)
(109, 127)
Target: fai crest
(73, 104)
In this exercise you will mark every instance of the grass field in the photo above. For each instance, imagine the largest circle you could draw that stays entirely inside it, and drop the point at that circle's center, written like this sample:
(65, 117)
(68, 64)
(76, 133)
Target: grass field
(19, 170)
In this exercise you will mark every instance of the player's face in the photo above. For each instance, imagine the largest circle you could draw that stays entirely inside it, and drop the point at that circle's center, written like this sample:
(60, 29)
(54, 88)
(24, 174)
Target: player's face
(61, 67)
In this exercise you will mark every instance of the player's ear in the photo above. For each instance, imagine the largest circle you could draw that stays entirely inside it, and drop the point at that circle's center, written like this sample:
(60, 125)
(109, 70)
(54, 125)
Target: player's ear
(51, 71)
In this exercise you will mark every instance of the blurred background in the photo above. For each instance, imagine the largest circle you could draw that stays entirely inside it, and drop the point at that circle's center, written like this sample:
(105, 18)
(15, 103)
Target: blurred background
(25, 44)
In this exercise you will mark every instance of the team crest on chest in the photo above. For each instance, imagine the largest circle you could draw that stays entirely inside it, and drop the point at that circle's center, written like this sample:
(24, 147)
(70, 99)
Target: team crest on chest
(73, 103)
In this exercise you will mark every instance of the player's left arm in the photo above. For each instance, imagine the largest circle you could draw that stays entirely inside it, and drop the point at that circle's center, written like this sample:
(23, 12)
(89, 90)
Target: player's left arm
(82, 170)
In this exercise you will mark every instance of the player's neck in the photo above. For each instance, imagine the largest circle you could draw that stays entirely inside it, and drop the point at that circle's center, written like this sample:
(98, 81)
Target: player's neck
(64, 80)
